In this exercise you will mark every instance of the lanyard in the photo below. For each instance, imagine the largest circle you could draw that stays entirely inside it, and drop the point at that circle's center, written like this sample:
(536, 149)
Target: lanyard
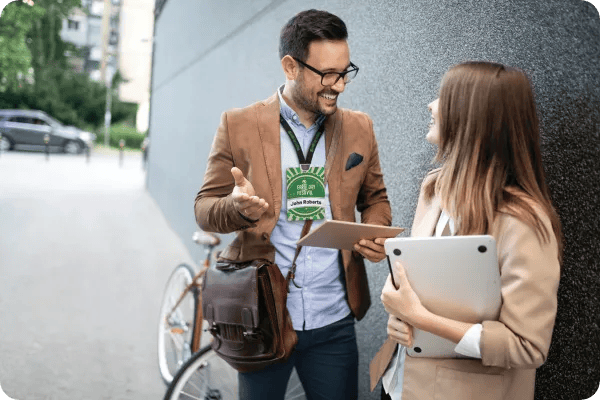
(304, 162)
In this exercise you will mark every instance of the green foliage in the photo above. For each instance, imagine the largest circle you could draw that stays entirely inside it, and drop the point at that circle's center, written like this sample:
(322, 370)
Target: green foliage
(30, 38)
(15, 58)
(133, 139)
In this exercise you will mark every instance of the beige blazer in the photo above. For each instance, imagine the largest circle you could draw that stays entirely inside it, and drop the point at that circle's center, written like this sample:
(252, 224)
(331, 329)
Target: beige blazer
(249, 139)
(512, 347)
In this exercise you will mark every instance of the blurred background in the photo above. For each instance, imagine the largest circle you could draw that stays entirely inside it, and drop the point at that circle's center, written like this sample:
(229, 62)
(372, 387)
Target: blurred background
(87, 240)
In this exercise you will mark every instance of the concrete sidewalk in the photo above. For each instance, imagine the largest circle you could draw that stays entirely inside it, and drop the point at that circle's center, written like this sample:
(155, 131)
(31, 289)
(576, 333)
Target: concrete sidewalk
(84, 255)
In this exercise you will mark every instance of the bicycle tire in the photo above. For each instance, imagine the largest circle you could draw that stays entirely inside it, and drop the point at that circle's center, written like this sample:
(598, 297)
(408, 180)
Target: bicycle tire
(195, 381)
(175, 336)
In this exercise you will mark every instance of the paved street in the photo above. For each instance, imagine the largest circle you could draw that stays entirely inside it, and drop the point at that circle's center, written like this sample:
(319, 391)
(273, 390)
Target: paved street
(84, 255)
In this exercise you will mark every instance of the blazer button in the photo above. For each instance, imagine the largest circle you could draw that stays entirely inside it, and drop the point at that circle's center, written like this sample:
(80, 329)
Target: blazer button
(265, 236)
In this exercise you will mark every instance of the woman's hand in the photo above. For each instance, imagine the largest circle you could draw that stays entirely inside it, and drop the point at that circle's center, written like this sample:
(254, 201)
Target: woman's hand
(403, 302)
(400, 332)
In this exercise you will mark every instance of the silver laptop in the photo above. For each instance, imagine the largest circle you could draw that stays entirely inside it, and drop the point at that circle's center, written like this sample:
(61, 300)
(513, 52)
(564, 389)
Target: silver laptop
(456, 277)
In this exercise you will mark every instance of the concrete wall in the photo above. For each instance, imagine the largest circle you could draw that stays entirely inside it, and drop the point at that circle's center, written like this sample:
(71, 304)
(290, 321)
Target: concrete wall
(214, 55)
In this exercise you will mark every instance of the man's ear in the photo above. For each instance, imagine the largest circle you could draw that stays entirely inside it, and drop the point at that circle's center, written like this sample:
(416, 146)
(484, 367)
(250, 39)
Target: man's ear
(290, 67)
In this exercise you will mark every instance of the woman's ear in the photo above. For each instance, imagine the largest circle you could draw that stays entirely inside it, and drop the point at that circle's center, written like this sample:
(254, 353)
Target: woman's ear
(290, 67)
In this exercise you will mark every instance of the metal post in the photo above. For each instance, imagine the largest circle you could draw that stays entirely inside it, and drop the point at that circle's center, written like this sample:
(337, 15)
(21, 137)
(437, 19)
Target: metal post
(0, 143)
(103, 64)
(144, 153)
(107, 115)
(87, 154)
(47, 146)
(121, 146)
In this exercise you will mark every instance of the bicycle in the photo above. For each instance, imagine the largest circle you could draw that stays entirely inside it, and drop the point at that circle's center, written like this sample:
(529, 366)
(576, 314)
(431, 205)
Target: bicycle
(187, 362)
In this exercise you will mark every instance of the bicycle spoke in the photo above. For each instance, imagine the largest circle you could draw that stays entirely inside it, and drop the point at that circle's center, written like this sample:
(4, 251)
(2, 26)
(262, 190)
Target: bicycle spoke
(177, 340)
(195, 387)
(190, 396)
(298, 396)
(295, 387)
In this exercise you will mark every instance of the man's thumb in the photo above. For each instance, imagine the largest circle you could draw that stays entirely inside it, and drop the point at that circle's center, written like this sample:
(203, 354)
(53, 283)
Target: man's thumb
(238, 176)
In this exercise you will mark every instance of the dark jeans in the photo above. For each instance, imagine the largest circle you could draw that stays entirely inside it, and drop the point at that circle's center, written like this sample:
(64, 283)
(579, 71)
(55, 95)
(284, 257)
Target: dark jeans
(326, 360)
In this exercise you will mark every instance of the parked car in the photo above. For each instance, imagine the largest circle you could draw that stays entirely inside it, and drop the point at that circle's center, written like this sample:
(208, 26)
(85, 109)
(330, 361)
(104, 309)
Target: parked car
(28, 128)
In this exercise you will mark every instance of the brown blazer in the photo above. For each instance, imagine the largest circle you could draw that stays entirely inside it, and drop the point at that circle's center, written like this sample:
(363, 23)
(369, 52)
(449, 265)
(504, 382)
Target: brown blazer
(511, 348)
(249, 139)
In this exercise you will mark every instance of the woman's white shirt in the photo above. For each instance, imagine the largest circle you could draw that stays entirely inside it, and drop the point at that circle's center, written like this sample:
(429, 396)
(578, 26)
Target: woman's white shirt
(469, 345)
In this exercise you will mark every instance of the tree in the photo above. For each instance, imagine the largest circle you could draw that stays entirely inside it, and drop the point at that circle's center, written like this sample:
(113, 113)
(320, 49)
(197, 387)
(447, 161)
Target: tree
(15, 58)
(30, 39)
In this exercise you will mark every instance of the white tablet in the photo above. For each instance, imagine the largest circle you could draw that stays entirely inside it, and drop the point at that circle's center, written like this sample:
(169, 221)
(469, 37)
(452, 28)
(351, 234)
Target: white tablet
(456, 277)
(343, 235)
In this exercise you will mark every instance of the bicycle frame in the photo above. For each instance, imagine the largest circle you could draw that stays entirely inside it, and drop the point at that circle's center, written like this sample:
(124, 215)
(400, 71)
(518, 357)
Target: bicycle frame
(196, 287)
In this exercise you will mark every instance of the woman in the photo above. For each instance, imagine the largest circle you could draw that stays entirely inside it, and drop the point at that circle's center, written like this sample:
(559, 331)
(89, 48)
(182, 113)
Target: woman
(491, 182)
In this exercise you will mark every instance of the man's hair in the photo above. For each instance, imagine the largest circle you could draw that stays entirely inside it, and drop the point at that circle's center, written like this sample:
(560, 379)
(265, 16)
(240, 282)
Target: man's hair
(306, 27)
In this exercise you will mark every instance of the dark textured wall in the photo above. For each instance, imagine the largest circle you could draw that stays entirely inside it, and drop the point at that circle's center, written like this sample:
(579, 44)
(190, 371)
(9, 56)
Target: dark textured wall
(215, 55)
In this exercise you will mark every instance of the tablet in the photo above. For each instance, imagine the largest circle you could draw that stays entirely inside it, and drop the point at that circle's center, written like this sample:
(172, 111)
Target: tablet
(343, 235)
(457, 277)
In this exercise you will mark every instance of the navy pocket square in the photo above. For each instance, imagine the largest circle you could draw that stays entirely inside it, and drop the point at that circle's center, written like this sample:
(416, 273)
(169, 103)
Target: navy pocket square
(353, 160)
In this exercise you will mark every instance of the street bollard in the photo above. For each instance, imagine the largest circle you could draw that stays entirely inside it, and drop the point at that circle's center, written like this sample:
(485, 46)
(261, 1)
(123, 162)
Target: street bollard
(0, 143)
(87, 154)
(121, 146)
(47, 146)
(144, 156)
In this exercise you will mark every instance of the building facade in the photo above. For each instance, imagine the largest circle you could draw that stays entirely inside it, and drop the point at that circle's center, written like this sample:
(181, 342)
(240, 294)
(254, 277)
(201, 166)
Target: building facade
(129, 47)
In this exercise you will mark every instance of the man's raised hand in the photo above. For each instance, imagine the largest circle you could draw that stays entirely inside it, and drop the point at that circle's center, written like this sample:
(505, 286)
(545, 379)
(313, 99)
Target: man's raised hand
(244, 198)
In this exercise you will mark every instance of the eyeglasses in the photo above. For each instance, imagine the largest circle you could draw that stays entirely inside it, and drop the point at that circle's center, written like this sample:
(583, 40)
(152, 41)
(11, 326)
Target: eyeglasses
(331, 78)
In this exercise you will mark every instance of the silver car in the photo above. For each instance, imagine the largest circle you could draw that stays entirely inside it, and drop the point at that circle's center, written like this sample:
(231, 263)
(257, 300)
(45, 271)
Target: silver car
(27, 128)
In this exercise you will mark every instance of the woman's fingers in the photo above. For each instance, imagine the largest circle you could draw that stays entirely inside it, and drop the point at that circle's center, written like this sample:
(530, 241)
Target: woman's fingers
(400, 331)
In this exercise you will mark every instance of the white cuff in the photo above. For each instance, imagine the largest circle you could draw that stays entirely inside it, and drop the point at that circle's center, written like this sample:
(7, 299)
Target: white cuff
(469, 344)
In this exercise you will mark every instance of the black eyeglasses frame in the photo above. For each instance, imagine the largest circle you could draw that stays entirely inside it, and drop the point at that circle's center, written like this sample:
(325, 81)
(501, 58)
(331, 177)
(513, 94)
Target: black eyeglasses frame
(322, 74)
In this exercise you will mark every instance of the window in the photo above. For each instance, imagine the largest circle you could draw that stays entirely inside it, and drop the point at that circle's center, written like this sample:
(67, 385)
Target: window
(38, 121)
(114, 38)
(22, 120)
(73, 25)
(95, 34)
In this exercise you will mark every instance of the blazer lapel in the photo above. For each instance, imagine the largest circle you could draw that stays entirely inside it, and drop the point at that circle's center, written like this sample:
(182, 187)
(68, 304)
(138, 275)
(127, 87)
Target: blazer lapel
(333, 169)
(269, 132)
(424, 224)
(333, 133)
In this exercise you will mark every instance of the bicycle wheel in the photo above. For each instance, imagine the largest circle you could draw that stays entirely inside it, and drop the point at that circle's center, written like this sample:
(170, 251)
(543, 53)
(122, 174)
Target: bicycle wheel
(207, 377)
(175, 331)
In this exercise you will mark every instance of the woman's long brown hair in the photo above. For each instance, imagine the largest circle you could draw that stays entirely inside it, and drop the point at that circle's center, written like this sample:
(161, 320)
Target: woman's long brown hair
(489, 145)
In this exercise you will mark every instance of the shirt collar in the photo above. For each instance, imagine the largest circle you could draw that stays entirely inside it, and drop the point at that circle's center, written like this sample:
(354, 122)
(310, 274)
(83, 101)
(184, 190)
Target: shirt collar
(291, 115)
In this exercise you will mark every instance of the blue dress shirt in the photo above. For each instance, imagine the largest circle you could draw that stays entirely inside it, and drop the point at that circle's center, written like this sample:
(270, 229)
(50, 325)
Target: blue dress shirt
(321, 300)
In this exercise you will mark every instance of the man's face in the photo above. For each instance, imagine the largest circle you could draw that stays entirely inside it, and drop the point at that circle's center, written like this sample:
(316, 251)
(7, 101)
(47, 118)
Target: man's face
(308, 92)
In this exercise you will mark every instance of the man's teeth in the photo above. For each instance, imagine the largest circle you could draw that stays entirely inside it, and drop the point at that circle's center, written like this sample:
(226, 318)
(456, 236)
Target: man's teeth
(328, 96)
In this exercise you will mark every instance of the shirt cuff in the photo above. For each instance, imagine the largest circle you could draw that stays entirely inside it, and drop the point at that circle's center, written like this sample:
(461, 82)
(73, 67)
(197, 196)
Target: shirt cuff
(469, 345)
(247, 218)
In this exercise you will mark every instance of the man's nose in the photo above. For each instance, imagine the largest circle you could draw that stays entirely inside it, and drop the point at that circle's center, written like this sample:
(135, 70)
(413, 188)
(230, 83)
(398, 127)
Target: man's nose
(339, 86)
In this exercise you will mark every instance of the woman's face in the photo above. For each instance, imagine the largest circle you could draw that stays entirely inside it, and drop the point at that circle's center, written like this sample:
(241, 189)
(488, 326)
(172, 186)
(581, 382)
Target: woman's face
(433, 136)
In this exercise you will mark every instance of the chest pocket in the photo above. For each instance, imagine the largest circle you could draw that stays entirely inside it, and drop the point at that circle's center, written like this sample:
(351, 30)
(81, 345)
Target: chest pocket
(353, 174)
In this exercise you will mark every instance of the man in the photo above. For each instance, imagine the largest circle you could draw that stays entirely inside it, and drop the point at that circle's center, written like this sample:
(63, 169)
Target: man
(249, 186)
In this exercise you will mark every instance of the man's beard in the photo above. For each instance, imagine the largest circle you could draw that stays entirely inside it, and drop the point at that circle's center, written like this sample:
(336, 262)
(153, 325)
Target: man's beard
(303, 99)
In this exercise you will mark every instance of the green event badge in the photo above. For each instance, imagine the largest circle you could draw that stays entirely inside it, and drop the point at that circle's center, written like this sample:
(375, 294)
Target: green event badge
(305, 193)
